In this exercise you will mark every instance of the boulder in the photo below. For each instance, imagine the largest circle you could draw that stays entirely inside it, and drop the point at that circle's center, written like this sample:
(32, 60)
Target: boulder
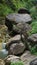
(32, 43)
(27, 57)
(33, 38)
(11, 58)
(16, 18)
(23, 29)
(17, 48)
(33, 62)
(20, 27)
(13, 40)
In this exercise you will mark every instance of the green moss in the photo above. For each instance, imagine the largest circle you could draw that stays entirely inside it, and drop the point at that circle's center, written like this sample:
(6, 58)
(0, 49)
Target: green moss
(17, 63)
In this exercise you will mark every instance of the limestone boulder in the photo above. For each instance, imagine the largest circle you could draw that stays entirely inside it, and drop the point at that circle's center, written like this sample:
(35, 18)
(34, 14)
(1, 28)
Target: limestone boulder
(11, 58)
(12, 40)
(20, 27)
(33, 38)
(16, 18)
(17, 48)
(34, 62)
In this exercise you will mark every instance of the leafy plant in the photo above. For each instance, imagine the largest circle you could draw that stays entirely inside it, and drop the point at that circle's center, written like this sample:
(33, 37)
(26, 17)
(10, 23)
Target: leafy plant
(17, 63)
(34, 28)
(4, 10)
(33, 11)
(34, 50)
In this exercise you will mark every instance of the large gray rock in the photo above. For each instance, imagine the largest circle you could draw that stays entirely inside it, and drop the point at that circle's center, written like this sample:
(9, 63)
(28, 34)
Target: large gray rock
(17, 48)
(32, 41)
(18, 18)
(33, 38)
(23, 29)
(33, 62)
(12, 40)
(20, 27)
(11, 58)
(27, 57)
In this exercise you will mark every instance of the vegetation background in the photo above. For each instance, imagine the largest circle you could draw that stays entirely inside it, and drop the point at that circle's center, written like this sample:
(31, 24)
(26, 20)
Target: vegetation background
(10, 6)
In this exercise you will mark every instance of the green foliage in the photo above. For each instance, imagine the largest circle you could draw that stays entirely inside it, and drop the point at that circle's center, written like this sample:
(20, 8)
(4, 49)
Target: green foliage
(17, 63)
(34, 50)
(4, 10)
(8, 6)
(34, 28)
(33, 11)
